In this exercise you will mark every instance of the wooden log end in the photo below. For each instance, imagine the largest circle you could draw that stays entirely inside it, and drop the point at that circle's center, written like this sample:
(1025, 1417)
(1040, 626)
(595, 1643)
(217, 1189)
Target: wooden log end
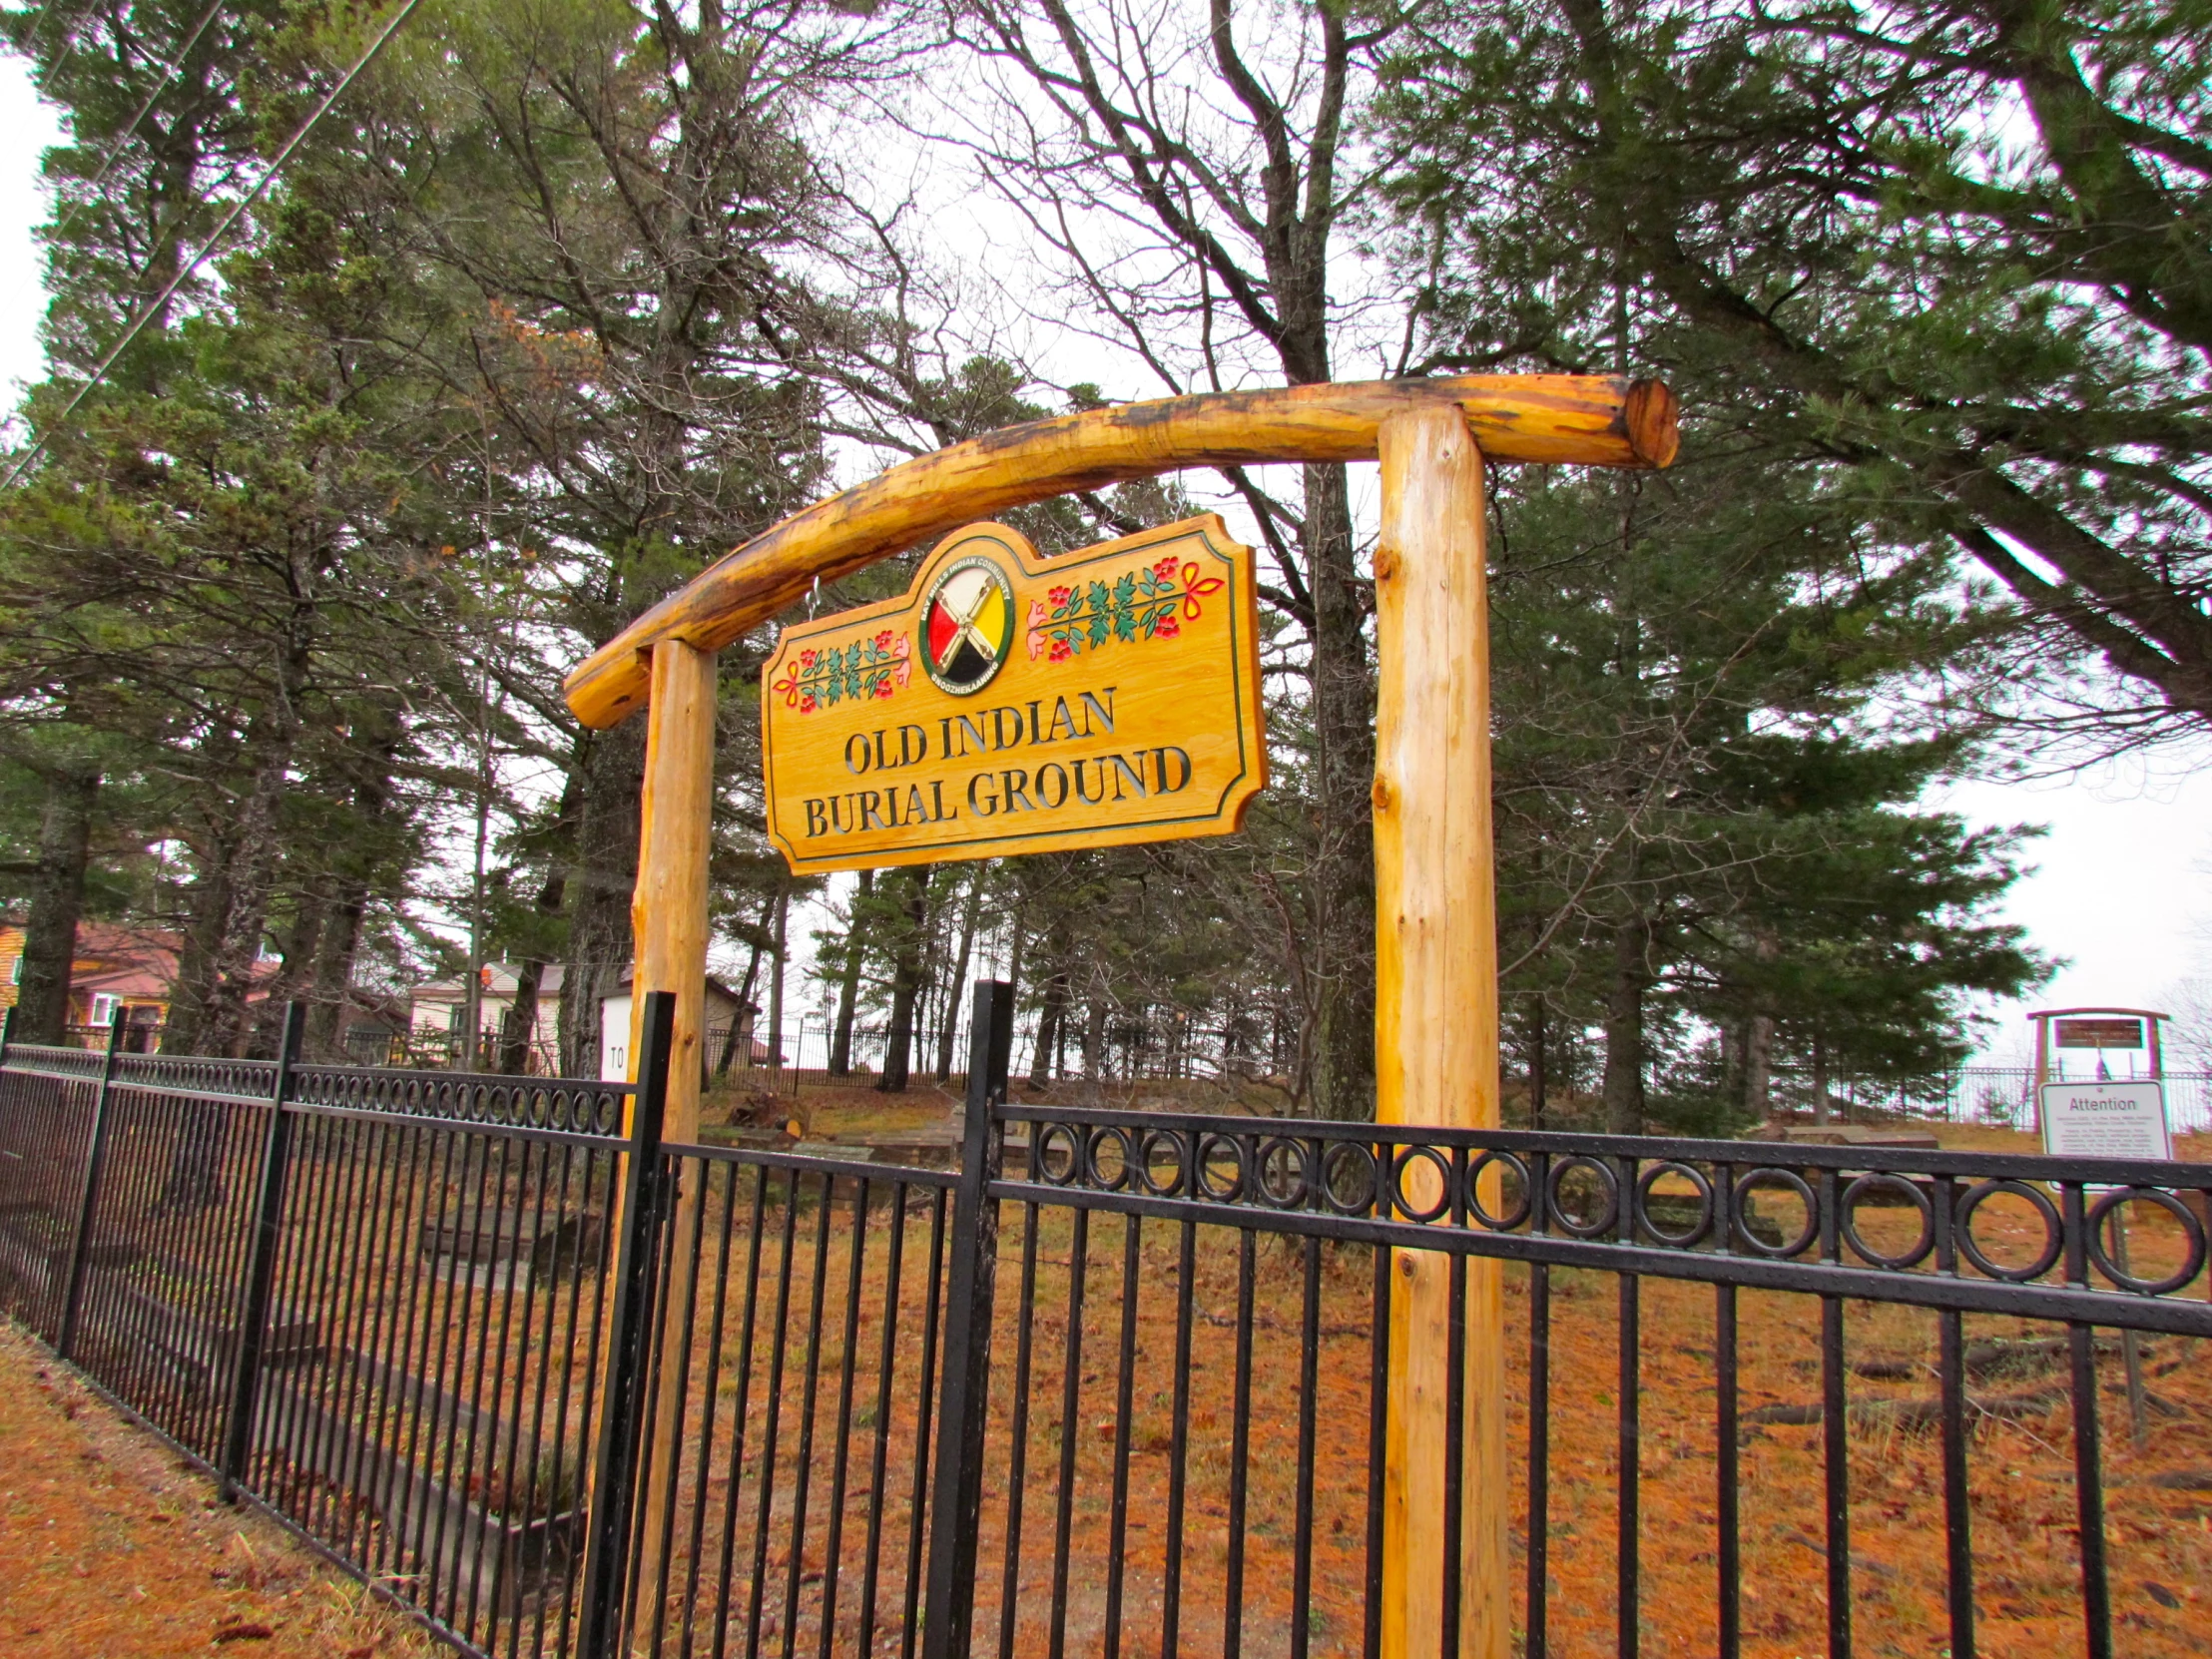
(1652, 415)
(606, 688)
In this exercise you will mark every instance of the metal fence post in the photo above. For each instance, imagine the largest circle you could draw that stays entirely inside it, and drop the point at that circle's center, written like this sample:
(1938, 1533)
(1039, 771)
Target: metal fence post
(621, 1409)
(95, 1158)
(957, 1490)
(260, 1273)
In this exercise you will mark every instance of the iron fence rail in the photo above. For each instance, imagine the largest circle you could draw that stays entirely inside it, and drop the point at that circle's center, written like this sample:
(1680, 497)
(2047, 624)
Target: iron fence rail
(556, 1387)
(365, 1300)
(1837, 1228)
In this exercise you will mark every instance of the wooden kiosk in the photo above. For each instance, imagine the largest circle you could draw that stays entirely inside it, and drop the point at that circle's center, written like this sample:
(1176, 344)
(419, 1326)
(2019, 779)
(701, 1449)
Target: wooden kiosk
(1436, 1019)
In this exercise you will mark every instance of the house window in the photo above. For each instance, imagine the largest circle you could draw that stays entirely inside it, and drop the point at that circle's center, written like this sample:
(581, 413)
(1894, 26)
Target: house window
(103, 1010)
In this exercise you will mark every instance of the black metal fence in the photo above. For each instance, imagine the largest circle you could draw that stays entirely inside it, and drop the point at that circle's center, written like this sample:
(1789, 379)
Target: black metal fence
(1120, 1387)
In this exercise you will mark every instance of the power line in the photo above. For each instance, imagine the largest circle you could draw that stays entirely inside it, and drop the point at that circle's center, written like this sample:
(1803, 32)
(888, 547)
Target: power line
(215, 237)
(114, 149)
(69, 46)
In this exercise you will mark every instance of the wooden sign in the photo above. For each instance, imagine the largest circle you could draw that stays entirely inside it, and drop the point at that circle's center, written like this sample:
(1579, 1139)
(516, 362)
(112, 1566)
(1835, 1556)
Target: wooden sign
(1011, 703)
(2100, 1033)
(2105, 1120)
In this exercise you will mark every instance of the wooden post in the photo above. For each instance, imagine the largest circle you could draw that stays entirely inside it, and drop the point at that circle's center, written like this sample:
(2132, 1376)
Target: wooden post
(668, 907)
(1437, 1014)
(668, 915)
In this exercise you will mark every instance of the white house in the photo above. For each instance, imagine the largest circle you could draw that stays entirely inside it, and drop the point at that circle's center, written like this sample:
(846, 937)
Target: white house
(438, 1009)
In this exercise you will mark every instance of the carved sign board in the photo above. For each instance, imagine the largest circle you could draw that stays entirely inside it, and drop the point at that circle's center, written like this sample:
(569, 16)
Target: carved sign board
(1011, 703)
(2100, 1033)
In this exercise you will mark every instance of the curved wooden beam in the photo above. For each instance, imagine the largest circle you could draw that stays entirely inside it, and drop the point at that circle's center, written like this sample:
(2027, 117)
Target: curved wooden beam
(1590, 419)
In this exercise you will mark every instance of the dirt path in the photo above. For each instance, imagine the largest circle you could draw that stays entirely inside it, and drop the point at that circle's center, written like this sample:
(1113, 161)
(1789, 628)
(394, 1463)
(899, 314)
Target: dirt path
(109, 1546)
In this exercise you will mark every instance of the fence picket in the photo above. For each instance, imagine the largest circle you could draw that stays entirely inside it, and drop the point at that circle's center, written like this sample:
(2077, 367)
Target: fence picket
(260, 1272)
(621, 1415)
(967, 1332)
(96, 1157)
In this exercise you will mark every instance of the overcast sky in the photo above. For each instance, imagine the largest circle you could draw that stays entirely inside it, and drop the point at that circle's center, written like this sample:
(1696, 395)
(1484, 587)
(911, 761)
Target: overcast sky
(2122, 886)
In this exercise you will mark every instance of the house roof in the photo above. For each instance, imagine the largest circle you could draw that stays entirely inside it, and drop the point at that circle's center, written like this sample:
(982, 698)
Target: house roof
(501, 978)
(113, 958)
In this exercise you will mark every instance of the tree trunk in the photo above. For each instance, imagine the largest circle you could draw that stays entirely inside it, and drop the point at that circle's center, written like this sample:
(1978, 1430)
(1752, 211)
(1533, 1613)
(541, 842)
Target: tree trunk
(1344, 853)
(776, 981)
(518, 1028)
(57, 901)
(741, 1022)
(1094, 1040)
(1020, 935)
(898, 1044)
(1624, 1028)
(354, 872)
(207, 902)
(1050, 1014)
(1759, 1066)
(325, 1037)
(599, 940)
(1538, 1040)
(259, 844)
(257, 855)
(297, 953)
(959, 976)
(848, 984)
(1820, 1079)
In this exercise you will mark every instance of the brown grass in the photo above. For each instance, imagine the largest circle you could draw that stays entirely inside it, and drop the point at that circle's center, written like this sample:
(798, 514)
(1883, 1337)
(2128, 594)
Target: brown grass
(2161, 1535)
(108, 1547)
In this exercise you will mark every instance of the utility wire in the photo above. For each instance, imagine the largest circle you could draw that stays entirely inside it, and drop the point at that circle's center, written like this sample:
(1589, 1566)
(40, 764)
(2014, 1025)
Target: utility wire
(215, 237)
(168, 73)
(69, 45)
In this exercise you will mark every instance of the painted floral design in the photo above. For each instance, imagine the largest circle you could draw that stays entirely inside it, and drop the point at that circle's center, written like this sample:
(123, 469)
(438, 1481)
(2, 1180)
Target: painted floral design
(877, 664)
(1151, 602)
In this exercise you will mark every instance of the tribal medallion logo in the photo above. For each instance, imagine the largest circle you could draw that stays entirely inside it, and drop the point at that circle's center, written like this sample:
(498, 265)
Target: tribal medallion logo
(968, 626)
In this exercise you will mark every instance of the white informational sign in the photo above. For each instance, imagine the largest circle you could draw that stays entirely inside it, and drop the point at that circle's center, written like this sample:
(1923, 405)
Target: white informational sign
(2105, 1120)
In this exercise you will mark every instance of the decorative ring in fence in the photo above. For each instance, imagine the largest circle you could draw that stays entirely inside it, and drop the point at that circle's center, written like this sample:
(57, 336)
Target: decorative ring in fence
(2110, 1205)
(1848, 1220)
(1406, 1209)
(1515, 1218)
(1595, 1227)
(1739, 1207)
(2055, 1230)
(1697, 1179)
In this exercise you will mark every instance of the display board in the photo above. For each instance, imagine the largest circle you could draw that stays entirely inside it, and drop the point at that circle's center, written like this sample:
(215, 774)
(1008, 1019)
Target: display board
(1008, 703)
(2105, 1120)
(2102, 1031)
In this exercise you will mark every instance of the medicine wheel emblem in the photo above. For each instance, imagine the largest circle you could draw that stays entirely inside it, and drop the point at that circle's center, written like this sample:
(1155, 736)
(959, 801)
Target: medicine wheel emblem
(968, 626)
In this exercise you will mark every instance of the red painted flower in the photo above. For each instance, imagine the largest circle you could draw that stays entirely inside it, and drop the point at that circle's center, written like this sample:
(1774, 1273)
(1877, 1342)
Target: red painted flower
(1194, 589)
(1060, 651)
(806, 659)
(1165, 569)
(1059, 596)
(884, 640)
(883, 687)
(806, 705)
(1167, 627)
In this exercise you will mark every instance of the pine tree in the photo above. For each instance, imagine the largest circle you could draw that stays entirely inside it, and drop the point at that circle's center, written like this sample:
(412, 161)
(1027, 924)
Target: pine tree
(1990, 331)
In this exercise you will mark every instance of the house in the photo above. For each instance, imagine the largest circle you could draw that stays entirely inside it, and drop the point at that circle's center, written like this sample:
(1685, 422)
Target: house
(132, 968)
(439, 1009)
(135, 969)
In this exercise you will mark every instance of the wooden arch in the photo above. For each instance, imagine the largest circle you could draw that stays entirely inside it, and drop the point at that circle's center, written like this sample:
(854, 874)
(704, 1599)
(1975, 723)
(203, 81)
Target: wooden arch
(1590, 419)
(1435, 945)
